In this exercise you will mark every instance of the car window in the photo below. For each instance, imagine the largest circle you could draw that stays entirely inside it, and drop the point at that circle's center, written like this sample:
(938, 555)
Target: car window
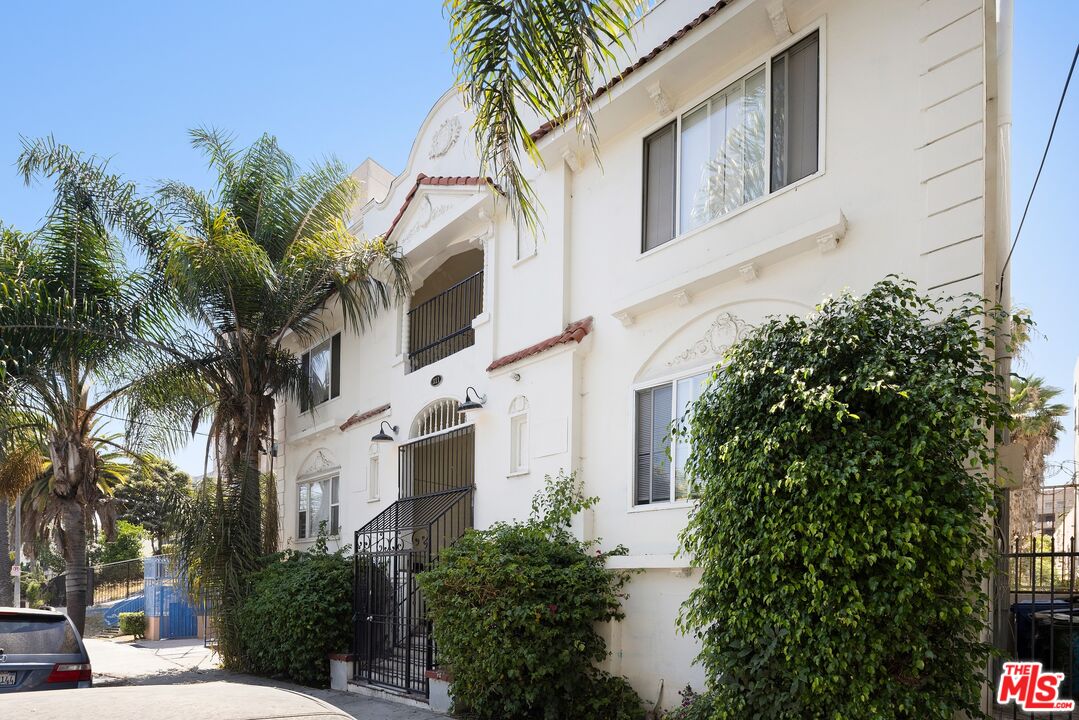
(30, 636)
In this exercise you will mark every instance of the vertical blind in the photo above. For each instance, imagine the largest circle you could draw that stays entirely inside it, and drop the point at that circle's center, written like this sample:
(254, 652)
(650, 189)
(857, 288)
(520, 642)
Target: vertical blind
(653, 467)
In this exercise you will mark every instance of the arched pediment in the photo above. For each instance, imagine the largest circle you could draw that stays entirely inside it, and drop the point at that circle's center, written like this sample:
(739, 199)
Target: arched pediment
(317, 462)
(701, 341)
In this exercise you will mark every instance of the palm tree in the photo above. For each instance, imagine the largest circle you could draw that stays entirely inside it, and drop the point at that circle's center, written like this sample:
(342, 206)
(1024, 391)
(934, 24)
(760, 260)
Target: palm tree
(45, 509)
(71, 312)
(1037, 414)
(519, 61)
(247, 264)
(21, 461)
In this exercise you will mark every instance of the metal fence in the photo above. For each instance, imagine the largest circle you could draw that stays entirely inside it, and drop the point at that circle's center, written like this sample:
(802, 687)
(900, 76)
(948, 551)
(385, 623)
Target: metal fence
(1038, 616)
(106, 583)
(442, 325)
(116, 581)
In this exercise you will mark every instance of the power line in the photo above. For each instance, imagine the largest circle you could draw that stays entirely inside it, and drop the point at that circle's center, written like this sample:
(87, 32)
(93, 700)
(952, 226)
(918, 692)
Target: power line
(1063, 94)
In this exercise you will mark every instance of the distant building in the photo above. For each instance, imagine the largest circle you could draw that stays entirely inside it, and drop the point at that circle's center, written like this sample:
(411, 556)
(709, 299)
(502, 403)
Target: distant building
(1053, 504)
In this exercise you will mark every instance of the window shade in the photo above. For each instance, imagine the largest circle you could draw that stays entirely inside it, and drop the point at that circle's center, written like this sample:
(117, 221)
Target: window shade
(643, 471)
(659, 187)
(661, 425)
(795, 112)
(305, 367)
(335, 366)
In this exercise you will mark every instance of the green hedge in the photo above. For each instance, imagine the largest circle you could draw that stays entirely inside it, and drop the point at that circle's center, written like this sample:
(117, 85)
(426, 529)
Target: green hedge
(843, 527)
(299, 610)
(515, 610)
(133, 623)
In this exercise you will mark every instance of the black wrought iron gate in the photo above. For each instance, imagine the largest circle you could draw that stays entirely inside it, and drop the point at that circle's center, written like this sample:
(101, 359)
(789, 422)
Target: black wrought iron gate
(1037, 615)
(393, 646)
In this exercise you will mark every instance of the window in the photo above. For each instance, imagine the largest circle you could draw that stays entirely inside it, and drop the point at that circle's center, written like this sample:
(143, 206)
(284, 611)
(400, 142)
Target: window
(372, 474)
(659, 199)
(319, 502)
(715, 157)
(519, 436)
(322, 365)
(526, 243)
(795, 112)
(657, 479)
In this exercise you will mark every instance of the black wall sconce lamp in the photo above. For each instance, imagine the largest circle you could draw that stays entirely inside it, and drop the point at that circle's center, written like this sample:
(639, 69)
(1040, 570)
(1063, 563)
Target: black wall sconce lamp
(472, 403)
(382, 435)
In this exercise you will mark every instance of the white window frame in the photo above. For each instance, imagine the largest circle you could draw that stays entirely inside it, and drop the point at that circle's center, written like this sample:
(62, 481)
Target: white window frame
(525, 248)
(631, 495)
(311, 530)
(330, 397)
(765, 60)
(520, 453)
(373, 471)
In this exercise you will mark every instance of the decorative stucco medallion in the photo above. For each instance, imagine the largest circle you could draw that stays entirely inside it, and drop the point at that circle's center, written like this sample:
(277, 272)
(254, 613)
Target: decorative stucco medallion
(724, 331)
(444, 138)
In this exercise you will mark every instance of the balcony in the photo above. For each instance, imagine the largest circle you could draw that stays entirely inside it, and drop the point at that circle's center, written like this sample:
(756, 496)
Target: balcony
(442, 325)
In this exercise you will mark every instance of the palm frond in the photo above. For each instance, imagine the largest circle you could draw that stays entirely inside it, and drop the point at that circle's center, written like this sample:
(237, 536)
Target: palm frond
(516, 60)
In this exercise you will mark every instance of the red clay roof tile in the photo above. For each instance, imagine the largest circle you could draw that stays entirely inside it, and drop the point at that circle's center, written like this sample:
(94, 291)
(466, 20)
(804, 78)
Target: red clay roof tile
(358, 418)
(422, 179)
(574, 332)
(550, 125)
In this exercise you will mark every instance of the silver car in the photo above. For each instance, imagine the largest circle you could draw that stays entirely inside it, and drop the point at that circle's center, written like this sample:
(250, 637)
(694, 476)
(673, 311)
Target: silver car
(40, 650)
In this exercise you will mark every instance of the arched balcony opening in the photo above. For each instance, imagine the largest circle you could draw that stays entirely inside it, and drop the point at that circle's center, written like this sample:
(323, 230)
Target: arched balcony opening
(443, 308)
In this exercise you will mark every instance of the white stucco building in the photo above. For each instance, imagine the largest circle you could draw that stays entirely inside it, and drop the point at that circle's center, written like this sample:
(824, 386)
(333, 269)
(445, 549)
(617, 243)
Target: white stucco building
(757, 155)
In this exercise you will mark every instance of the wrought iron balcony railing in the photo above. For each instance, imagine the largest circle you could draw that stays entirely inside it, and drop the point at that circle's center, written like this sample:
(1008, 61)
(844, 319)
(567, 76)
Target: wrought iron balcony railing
(442, 325)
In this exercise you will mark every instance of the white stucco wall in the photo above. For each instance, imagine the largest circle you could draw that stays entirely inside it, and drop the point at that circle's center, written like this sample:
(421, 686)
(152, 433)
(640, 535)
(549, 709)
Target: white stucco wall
(907, 185)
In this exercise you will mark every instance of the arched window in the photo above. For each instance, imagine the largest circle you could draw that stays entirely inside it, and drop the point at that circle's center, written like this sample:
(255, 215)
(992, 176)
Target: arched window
(318, 496)
(519, 436)
(438, 416)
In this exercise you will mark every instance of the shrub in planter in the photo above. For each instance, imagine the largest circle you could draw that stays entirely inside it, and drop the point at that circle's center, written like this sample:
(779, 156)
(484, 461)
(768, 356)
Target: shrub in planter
(843, 524)
(515, 610)
(298, 611)
(133, 623)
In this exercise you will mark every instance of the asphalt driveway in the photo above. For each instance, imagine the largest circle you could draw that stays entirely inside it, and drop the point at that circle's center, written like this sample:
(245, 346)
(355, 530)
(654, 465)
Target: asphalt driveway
(179, 662)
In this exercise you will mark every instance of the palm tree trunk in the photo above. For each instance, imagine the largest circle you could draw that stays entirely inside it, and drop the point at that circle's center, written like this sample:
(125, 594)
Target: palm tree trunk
(74, 467)
(76, 572)
(7, 594)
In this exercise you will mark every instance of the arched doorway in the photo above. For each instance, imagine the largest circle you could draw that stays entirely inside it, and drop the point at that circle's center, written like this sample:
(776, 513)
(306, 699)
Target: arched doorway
(440, 456)
(436, 472)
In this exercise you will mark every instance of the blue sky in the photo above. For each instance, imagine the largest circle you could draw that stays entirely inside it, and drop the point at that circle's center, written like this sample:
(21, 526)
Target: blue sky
(355, 79)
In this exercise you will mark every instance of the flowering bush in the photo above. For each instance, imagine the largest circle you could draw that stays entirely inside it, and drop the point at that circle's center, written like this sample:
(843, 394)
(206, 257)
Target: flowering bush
(515, 609)
(695, 706)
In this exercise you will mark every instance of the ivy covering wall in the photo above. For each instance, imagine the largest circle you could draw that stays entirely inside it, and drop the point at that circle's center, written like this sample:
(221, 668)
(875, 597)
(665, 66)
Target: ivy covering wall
(845, 498)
